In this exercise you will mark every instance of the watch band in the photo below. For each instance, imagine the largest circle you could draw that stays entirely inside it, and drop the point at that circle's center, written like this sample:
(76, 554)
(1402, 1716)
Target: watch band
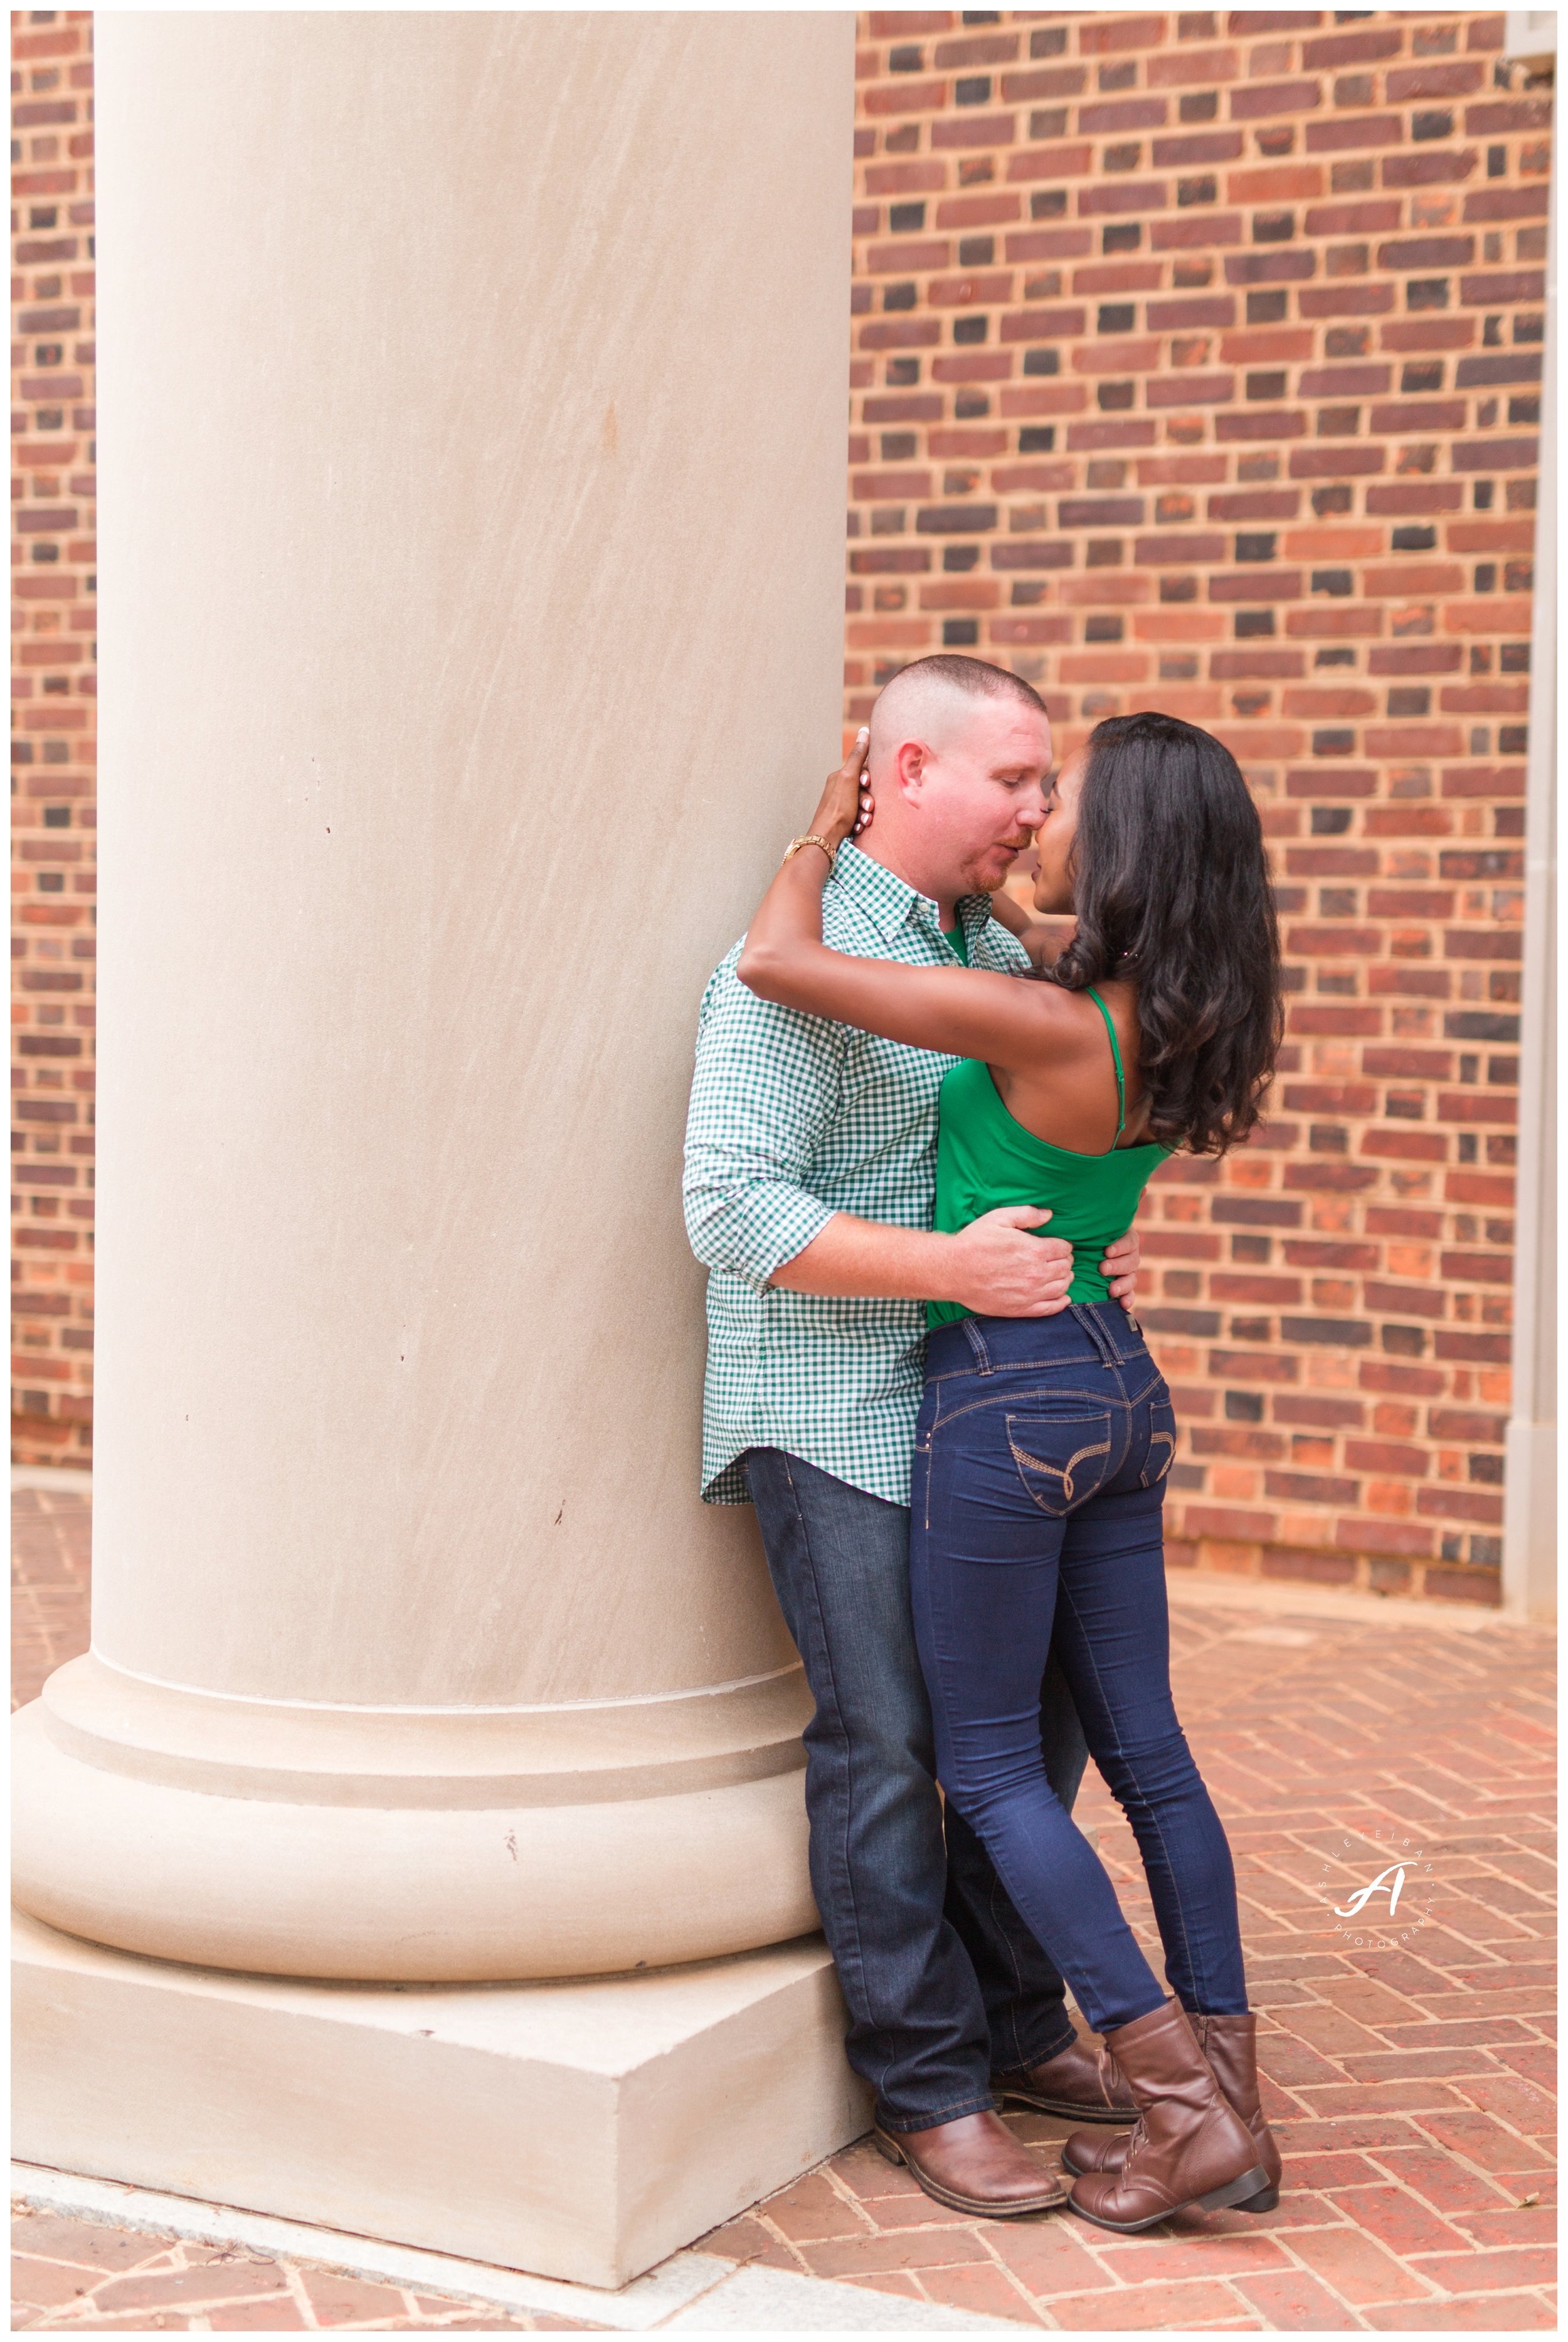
(794, 848)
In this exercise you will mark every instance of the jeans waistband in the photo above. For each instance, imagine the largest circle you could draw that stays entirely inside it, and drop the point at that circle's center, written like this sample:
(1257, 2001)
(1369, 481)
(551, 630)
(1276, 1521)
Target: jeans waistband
(984, 1346)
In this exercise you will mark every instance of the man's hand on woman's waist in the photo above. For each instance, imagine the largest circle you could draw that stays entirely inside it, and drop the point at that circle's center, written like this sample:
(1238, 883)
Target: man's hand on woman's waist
(997, 1266)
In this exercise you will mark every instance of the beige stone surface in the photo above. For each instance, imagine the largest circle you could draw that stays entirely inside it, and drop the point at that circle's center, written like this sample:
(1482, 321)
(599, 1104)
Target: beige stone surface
(580, 2130)
(451, 722)
(453, 715)
(363, 1886)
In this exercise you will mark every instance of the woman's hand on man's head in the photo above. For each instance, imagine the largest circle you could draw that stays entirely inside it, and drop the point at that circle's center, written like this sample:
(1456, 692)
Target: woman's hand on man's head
(845, 805)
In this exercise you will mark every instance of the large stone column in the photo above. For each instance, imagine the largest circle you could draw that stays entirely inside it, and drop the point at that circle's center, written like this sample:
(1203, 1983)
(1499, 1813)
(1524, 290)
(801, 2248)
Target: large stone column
(473, 442)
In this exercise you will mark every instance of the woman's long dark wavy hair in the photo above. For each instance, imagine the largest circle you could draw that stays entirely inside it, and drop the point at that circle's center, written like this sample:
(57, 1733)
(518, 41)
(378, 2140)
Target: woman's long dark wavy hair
(1171, 887)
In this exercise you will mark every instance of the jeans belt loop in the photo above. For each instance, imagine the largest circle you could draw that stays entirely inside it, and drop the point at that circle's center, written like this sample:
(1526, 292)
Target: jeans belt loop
(1113, 1341)
(976, 1341)
(1104, 1347)
(1124, 1331)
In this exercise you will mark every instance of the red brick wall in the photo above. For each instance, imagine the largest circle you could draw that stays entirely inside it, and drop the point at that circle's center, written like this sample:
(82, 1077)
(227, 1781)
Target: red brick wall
(1196, 366)
(52, 682)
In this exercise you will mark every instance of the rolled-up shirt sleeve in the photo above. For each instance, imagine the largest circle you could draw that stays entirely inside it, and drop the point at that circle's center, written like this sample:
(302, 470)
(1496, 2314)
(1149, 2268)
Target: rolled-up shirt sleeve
(765, 1089)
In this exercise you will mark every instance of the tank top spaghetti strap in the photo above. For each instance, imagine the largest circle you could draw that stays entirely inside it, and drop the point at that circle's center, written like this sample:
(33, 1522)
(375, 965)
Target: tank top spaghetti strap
(1117, 1061)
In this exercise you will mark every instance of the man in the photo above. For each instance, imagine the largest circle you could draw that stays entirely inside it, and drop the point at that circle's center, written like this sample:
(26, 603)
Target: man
(809, 1193)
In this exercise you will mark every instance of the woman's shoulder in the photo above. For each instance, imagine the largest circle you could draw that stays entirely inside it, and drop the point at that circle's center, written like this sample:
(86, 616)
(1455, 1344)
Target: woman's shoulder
(1118, 999)
(1073, 1024)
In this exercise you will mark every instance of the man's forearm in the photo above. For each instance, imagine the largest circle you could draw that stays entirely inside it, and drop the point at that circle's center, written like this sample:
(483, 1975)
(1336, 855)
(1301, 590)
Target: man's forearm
(1004, 1264)
(866, 1260)
(1044, 940)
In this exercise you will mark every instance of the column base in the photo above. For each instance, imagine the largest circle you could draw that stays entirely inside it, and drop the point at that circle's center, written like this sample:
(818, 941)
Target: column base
(398, 1846)
(578, 2131)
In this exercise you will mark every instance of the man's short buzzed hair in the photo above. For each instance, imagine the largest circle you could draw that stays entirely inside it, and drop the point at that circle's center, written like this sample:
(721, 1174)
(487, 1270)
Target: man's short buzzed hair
(976, 678)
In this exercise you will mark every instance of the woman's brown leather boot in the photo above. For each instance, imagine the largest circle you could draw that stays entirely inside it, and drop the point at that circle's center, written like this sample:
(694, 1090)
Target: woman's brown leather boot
(1187, 2147)
(1230, 2045)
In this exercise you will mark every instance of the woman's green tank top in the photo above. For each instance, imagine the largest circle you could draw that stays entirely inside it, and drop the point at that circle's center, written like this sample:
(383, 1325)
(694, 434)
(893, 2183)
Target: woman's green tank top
(984, 1159)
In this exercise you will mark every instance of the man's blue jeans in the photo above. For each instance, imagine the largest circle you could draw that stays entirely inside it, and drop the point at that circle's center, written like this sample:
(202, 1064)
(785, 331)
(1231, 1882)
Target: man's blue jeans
(1039, 1478)
(944, 1982)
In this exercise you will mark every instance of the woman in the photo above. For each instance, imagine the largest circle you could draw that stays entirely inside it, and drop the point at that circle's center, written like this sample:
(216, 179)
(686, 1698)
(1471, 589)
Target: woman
(1043, 1442)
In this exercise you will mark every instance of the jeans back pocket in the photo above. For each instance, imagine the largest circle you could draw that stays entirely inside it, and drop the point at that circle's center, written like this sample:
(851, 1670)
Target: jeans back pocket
(1061, 1458)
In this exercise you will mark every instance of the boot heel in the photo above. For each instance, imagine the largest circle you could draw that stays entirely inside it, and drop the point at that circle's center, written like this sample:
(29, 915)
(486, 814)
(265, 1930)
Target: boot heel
(885, 2147)
(1239, 2192)
(1264, 2201)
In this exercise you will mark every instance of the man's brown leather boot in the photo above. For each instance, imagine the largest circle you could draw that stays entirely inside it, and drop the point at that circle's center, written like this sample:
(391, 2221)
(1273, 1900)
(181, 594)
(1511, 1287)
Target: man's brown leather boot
(973, 2165)
(1188, 2146)
(1230, 2045)
(1081, 2081)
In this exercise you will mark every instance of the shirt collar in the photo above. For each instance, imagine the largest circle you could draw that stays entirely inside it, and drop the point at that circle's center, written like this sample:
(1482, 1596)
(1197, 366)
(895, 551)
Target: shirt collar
(974, 916)
(890, 901)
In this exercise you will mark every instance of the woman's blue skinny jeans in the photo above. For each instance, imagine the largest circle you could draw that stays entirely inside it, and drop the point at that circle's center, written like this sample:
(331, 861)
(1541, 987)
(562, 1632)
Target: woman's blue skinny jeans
(1039, 1479)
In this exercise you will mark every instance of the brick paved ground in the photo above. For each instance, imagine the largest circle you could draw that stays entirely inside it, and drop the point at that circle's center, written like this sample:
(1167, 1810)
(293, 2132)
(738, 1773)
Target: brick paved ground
(1410, 2065)
(73, 2274)
(50, 1550)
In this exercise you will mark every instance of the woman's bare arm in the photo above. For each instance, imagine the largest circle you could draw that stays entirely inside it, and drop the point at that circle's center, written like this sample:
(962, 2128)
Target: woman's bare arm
(992, 1265)
(962, 1011)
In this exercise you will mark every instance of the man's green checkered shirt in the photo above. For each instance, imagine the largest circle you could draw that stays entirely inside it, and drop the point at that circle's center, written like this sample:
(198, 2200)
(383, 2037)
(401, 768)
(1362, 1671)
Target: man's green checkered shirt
(793, 1119)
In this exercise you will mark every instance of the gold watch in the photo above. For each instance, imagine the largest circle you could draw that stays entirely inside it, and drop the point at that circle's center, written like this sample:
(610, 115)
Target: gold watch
(794, 848)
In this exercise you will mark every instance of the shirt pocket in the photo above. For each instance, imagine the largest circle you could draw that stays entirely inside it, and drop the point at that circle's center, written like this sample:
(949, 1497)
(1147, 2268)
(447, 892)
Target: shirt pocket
(1062, 1458)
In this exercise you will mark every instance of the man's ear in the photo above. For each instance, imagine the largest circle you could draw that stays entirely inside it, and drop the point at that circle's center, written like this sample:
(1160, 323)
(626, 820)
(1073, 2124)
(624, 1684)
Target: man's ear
(909, 768)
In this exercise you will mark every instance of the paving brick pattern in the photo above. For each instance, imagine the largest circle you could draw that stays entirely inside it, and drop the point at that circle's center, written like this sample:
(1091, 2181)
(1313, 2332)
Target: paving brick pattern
(1409, 2058)
(51, 1557)
(1196, 365)
(73, 2274)
(1409, 2065)
(53, 753)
